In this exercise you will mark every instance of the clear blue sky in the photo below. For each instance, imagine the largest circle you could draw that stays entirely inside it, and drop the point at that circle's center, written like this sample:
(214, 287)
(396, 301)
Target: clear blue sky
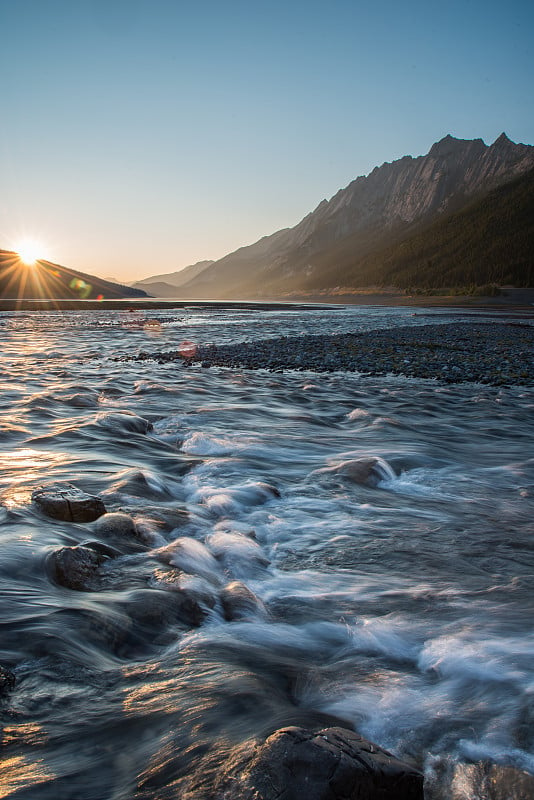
(139, 136)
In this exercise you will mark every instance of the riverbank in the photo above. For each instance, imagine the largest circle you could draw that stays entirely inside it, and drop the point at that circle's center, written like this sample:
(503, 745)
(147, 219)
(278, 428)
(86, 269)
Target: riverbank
(510, 299)
(492, 353)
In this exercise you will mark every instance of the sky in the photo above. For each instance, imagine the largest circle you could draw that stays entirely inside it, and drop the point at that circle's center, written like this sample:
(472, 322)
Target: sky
(140, 136)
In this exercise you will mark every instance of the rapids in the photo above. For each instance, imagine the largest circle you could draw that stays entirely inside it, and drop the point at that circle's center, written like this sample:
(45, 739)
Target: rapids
(382, 529)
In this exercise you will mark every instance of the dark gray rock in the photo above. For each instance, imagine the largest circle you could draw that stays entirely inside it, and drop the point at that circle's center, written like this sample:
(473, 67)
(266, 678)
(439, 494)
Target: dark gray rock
(153, 610)
(75, 567)
(330, 764)
(116, 525)
(66, 502)
(7, 680)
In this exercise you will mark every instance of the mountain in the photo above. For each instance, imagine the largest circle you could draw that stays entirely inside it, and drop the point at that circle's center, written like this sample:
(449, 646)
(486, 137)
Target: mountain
(45, 280)
(489, 241)
(166, 285)
(159, 289)
(373, 213)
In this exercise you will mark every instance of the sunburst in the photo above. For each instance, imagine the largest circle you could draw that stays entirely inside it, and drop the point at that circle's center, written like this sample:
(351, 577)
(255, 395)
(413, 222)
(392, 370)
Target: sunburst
(29, 251)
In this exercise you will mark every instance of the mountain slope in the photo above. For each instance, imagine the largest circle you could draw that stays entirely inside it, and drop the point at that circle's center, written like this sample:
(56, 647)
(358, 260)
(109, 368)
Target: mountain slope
(370, 214)
(45, 280)
(159, 289)
(489, 241)
(172, 279)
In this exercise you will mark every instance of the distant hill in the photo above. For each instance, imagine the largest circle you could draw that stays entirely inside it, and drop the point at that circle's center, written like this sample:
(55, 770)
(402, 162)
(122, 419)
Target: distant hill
(166, 285)
(45, 280)
(159, 289)
(350, 240)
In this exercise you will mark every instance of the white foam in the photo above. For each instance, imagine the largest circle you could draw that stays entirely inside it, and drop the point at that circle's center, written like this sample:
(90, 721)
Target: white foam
(230, 500)
(200, 443)
(357, 413)
(462, 659)
(190, 556)
(389, 635)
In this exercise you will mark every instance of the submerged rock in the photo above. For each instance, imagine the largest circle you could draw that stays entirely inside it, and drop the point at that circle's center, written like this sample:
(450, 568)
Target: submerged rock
(66, 502)
(330, 764)
(7, 680)
(116, 525)
(190, 556)
(152, 611)
(240, 602)
(364, 471)
(76, 567)
(124, 421)
(136, 483)
(195, 586)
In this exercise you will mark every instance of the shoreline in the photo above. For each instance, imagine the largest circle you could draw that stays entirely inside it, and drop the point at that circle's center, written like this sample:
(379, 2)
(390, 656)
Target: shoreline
(512, 299)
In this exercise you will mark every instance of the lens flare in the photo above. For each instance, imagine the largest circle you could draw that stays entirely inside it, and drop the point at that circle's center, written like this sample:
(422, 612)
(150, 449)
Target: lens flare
(187, 349)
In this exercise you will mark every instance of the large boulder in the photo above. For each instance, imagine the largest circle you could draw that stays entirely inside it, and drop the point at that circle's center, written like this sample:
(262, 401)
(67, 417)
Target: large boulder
(330, 764)
(66, 502)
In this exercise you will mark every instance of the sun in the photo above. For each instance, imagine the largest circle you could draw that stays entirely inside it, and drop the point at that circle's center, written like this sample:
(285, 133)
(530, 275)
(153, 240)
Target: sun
(29, 251)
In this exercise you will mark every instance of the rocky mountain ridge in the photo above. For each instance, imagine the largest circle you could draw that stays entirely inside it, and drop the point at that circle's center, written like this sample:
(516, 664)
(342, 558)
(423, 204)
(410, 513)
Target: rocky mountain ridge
(393, 201)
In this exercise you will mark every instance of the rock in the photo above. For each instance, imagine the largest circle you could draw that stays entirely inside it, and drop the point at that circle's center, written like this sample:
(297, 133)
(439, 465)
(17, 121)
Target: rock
(75, 567)
(490, 781)
(368, 471)
(234, 550)
(152, 611)
(7, 680)
(330, 764)
(116, 525)
(80, 400)
(191, 556)
(240, 602)
(121, 421)
(196, 587)
(364, 471)
(136, 483)
(66, 502)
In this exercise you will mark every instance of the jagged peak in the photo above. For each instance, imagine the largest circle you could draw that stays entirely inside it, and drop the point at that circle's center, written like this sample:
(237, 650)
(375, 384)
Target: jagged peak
(450, 144)
(502, 140)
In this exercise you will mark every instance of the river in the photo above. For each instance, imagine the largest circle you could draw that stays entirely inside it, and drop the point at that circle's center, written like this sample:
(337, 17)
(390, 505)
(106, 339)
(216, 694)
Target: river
(401, 604)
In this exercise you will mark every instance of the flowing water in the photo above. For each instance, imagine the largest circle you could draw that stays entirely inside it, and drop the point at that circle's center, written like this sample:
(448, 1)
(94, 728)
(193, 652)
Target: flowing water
(382, 525)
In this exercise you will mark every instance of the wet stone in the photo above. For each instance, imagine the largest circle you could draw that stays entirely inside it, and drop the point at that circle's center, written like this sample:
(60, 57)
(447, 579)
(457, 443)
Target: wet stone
(330, 764)
(239, 602)
(7, 680)
(66, 502)
(125, 421)
(115, 524)
(153, 611)
(76, 567)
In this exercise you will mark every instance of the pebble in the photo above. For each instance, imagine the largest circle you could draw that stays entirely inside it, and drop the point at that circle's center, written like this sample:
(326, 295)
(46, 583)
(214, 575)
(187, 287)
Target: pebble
(491, 353)
(496, 353)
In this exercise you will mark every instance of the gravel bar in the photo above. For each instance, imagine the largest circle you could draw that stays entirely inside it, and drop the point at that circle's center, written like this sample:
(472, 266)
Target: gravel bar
(491, 353)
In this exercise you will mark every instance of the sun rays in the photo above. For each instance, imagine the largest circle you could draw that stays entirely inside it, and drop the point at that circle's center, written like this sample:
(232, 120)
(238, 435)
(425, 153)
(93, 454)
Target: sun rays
(29, 251)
